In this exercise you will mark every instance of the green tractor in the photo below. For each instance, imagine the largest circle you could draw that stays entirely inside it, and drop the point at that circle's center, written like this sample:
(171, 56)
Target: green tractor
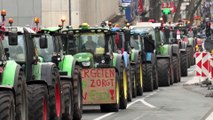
(132, 61)
(186, 50)
(13, 87)
(50, 49)
(104, 77)
(158, 53)
(43, 80)
(142, 43)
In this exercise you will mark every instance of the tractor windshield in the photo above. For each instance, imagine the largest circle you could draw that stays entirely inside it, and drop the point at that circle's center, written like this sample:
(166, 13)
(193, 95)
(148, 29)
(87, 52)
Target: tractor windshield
(135, 42)
(93, 42)
(17, 52)
(47, 53)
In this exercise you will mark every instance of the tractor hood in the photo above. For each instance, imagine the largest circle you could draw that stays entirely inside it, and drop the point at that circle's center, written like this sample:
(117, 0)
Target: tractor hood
(164, 50)
(83, 57)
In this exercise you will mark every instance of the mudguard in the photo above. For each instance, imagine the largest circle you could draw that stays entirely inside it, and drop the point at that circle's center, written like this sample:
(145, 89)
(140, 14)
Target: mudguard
(68, 65)
(10, 74)
(46, 72)
(166, 50)
(190, 42)
(134, 56)
(175, 49)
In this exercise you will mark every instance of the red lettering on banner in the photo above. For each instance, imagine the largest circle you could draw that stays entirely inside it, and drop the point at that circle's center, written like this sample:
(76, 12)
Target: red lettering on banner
(112, 73)
(112, 94)
(86, 73)
(98, 83)
(102, 83)
(92, 83)
(93, 73)
(85, 96)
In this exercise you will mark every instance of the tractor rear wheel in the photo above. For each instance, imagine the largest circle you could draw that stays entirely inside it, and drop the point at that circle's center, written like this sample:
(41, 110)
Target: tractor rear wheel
(155, 77)
(164, 72)
(129, 85)
(133, 81)
(77, 88)
(123, 85)
(189, 51)
(148, 77)
(175, 69)
(21, 98)
(55, 96)
(39, 102)
(7, 104)
(113, 107)
(139, 77)
(68, 106)
(184, 63)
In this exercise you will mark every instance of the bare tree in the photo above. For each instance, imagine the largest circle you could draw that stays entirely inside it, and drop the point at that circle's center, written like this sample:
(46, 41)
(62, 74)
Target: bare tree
(194, 10)
(177, 14)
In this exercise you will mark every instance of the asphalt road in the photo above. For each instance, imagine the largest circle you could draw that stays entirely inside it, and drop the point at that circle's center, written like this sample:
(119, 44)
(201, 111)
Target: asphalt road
(177, 102)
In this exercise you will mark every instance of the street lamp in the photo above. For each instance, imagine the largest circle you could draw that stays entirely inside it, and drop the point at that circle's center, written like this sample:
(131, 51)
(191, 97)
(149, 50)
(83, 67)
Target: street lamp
(70, 12)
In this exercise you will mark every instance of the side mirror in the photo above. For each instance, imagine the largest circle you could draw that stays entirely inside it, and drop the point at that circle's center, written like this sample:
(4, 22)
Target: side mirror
(43, 42)
(13, 38)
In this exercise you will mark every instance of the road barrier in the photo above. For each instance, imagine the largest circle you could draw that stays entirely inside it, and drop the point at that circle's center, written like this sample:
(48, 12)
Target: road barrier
(204, 64)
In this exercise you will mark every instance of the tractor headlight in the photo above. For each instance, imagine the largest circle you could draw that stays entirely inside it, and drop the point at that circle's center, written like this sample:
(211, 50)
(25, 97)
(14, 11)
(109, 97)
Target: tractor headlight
(86, 64)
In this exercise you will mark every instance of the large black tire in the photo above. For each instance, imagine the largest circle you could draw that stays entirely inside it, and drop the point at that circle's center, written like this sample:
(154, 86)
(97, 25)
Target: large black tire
(190, 55)
(21, 98)
(123, 98)
(164, 72)
(38, 99)
(148, 77)
(155, 77)
(184, 63)
(68, 106)
(77, 88)
(175, 68)
(139, 77)
(112, 107)
(7, 103)
(171, 73)
(55, 96)
(129, 85)
(133, 80)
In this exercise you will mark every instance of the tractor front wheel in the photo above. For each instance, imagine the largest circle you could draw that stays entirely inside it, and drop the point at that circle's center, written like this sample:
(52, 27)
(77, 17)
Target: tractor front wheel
(123, 85)
(148, 77)
(55, 96)
(39, 102)
(68, 106)
(164, 72)
(77, 88)
(7, 104)
(21, 98)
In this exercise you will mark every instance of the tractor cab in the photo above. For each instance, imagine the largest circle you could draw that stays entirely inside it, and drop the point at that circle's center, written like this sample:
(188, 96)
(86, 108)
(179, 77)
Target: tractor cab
(92, 47)
(16, 40)
(22, 49)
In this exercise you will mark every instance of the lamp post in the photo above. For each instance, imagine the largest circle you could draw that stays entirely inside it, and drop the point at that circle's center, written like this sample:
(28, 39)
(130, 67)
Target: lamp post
(70, 12)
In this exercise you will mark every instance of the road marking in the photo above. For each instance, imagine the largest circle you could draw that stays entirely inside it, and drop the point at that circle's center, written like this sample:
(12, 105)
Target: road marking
(104, 116)
(130, 104)
(147, 104)
(210, 117)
